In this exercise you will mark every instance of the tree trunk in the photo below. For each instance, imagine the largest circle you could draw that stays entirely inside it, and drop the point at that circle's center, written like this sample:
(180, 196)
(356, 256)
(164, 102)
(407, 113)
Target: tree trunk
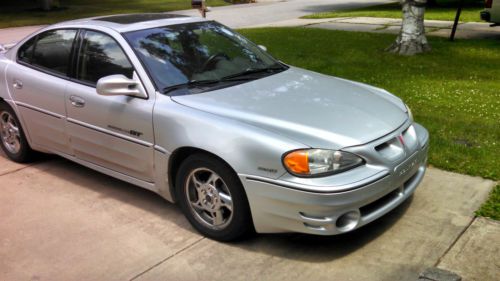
(411, 39)
(45, 5)
(431, 3)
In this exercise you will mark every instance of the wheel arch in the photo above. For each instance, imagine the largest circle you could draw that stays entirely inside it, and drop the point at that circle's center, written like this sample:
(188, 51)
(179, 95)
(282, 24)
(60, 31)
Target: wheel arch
(15, 109)
(178, 156)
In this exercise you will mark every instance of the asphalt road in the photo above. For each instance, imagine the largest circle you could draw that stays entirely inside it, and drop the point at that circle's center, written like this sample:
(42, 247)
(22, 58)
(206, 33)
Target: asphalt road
(269, 11)
(237, 16)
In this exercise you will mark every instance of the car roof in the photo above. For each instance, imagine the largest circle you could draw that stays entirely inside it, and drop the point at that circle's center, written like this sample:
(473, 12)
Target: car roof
(131, 22)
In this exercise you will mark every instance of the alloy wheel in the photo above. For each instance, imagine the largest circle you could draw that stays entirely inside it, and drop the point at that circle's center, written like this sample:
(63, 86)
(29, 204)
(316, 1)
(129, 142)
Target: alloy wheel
(209, 198)
(9, 133)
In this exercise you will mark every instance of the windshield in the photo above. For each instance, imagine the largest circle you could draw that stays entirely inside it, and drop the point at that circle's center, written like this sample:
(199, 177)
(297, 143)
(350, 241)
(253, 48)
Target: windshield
(200, 56)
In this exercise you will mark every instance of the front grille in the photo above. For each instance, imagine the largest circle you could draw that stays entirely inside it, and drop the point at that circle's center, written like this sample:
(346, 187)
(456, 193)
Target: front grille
(388, 198)
(394, 148)
(391, 149)
(379, 203)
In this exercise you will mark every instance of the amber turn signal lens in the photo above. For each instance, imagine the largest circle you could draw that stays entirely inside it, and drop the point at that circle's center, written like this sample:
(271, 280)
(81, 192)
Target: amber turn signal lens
(297, 162)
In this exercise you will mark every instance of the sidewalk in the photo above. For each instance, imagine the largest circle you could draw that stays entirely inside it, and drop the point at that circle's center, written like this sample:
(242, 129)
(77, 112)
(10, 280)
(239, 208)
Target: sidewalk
(470, 30)
(475, 256)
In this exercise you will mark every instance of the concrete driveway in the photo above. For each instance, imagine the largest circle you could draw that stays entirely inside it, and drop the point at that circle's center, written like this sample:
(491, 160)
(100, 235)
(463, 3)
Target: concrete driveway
(61, 221)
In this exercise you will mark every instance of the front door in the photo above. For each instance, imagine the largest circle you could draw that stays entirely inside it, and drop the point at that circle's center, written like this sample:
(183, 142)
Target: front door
(115, 132)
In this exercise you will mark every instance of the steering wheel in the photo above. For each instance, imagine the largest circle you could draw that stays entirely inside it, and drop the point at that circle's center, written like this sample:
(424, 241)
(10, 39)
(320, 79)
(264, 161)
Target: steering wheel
(212, 58)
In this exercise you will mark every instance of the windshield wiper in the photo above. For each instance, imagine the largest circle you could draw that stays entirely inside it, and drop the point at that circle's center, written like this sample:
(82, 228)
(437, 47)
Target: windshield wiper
(251, 71)
(189, 84)
(233, 77)
(201, 83)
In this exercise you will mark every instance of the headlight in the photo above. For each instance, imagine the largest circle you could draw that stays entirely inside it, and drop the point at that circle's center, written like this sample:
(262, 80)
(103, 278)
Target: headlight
(319, 162)
(410, 115)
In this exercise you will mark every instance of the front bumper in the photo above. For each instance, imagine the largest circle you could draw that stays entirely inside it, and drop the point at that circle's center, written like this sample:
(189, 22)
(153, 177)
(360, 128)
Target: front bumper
(283, 206)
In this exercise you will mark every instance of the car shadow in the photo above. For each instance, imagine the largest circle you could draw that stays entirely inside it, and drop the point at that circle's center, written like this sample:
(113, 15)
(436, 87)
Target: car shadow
(305, 247)
(313, 248)
(108, 187)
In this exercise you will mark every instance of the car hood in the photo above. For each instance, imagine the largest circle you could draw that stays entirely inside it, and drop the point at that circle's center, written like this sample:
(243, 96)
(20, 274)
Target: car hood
(317, 110)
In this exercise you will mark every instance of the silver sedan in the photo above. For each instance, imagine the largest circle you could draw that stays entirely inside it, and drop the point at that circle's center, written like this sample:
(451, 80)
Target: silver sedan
(197, 113)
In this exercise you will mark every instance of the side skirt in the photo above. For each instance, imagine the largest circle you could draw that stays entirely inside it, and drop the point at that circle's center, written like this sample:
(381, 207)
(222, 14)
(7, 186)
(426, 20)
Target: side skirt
(146, 185)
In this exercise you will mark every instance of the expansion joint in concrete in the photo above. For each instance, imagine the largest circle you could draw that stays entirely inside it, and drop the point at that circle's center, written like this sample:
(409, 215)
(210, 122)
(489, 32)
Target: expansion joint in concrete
(455, 241)
(166, 259)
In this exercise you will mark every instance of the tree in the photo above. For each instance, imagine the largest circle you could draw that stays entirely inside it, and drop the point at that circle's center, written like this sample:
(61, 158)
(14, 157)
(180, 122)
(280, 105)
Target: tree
(411, 39)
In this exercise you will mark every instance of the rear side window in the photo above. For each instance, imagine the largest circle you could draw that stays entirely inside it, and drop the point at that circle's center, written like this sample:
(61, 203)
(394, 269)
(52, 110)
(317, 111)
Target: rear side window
(53, 49)
(26, 51)
(100, 56)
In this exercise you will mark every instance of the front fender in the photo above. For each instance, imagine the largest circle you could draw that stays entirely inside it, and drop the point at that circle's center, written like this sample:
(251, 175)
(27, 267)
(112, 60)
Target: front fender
(248, 150)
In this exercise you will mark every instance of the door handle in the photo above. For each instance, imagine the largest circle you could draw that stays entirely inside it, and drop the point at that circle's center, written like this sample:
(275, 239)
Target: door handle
(17, 84)
(77, 101)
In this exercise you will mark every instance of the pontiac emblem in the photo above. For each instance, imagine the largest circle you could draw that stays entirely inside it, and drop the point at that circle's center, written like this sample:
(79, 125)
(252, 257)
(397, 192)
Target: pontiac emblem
(400, 137)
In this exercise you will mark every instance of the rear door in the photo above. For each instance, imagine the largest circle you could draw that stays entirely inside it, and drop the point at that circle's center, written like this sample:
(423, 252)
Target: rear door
(38, 82)
(115, 132)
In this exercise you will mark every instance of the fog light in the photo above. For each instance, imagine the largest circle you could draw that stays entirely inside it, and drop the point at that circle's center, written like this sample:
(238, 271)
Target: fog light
(348, 221)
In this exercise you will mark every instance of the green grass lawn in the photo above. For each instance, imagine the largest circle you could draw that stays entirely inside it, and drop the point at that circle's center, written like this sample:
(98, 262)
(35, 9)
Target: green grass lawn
(444, 11)
(454, 91)
(25, 12)
(491, 208)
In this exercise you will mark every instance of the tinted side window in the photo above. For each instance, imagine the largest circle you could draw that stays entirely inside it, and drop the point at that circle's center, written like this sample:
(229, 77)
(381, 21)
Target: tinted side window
(101, 56)
(25, 53)
(53, 49)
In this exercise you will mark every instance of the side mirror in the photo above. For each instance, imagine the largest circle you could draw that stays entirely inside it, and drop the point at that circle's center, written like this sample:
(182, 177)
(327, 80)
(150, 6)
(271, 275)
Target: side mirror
(262, 47)
(119, 85)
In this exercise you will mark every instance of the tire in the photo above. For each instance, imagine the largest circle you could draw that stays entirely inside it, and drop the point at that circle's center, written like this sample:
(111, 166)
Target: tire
(12, 138)
(212, 198)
